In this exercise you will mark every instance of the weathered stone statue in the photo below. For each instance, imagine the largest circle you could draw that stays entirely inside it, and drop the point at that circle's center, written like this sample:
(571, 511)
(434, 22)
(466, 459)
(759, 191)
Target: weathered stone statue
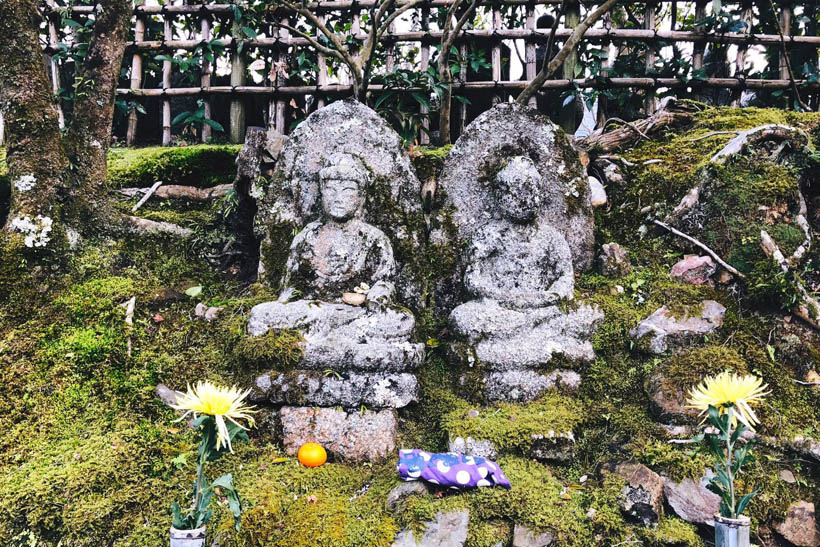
(517, 195)
(344, 186)
(518, 271)
(329, 258)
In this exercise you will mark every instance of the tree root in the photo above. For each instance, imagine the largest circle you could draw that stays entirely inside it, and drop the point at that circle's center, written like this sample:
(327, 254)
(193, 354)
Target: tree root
(757, 135)
(173, 191)
(670, 113)
(143, 226)
(808, 308)
(752, 137)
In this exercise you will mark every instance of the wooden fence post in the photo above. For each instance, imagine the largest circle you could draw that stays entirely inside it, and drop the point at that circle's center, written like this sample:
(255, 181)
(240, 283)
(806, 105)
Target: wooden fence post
(461, 112)
(237, 109)
(321, 75)
(205, 77)
(529, 51)
(496, 51)
(650, 101)
(53, 65)
(167, 36)
(698, 48)
(785, 23)
(136, 78)
(567, 115)
(424, 137)
(281, 80)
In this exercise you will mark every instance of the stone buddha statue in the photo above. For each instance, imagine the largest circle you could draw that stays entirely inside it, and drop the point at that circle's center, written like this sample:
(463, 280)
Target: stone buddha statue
(517, 271)
(332, 262)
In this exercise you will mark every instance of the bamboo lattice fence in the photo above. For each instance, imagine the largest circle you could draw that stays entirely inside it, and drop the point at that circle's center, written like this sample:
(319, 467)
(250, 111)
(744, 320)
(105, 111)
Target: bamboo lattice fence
(278, 93)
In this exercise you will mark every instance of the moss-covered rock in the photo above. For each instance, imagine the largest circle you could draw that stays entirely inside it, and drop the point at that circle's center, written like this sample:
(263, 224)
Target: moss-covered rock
(202, 165)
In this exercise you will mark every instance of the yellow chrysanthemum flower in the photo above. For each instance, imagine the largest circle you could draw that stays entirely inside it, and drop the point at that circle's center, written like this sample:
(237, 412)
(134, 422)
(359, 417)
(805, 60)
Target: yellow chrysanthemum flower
(219, 402)
(729, 390)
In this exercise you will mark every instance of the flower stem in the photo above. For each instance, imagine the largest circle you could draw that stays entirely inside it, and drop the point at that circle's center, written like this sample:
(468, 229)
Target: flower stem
(729, 464)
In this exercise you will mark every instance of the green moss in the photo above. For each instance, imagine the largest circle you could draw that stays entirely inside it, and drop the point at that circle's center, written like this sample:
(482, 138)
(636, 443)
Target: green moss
(511, 427)
(688, 368)
(428, 161)
(488, 533)
(672, 532)
(201, 165)
(678, 463)
(276, 349)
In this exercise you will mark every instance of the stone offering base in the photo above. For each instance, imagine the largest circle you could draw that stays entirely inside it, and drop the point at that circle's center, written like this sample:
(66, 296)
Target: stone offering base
(352, 436)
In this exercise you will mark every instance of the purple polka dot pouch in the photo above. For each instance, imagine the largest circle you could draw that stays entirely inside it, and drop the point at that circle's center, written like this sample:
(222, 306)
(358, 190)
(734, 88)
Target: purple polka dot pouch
(450, 470)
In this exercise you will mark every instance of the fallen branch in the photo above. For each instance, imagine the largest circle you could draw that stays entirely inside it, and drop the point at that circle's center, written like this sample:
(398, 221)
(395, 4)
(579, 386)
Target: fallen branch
(143, 226)
(711, 253)
(174, 191)
(670, 113)
(626, 123)
(129, 319)
(147, 195)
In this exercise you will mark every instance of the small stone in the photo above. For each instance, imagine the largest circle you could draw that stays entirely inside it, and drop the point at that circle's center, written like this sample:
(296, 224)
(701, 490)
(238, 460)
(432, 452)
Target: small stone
(695, 270)
(208, 313)
(353, 298)
(402, 491)
(158, 318)
(525, 537)
(479, 448)
(691, 500)
(724, 277)
(662, 330)
(642, 497)
(472, 413)
(447, 530)
(354, 436)
(807, 446)
(787, 476)
(527, 385)
(613, 260)
(597, 193)
(800, 526)
(169, 397)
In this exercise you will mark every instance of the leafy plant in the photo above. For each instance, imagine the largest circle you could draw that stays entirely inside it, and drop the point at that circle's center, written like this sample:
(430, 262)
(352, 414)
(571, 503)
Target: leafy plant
(203, 491)
(195, 118)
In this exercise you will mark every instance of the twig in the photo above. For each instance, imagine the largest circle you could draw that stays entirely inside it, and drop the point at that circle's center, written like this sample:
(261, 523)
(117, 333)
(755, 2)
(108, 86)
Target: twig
(711, 253)
(785, 52)
(714, 134)
(129, 319)
(805, 383)
(147, 195)
(630, 124)
(807, 308)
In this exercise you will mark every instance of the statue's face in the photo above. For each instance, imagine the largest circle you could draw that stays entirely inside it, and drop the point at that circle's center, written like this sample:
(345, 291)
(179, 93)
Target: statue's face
(341, 198)
(518, 190)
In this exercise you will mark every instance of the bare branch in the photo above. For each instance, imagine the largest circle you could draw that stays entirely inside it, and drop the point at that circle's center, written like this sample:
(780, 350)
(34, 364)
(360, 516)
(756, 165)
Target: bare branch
(320, 25)
(313, 42)
(393, 16)
(712, 253)
(568, 47)
(451, 36)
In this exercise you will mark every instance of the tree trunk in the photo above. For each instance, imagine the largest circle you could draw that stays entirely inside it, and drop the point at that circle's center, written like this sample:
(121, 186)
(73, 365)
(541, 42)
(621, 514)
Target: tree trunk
(446, 106)
(96, 87)
(57, 180)
(36, 160)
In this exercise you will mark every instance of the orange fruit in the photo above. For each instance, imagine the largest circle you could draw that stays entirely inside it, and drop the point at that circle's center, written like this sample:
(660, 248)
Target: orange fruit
(312, 455)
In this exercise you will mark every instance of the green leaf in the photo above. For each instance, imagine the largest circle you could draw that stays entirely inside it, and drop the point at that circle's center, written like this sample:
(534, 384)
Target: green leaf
(249, 32)
(193, 292)
(744, 501)
(180, 117)
(216, 125)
